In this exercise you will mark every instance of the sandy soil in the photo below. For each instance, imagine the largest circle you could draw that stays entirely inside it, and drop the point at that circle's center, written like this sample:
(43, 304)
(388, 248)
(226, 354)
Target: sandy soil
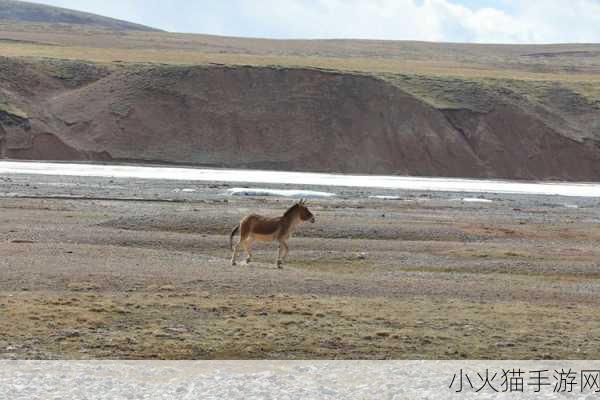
(121, 268)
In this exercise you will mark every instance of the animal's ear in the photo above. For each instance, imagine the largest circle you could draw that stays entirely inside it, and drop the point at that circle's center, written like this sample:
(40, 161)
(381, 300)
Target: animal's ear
(302, 202)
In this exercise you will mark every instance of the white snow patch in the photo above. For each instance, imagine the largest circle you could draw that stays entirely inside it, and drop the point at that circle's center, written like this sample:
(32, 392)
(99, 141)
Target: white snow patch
(308, 194)
(571, 206)
(303, 178)
(186, 190)
(60, 184)
(475, 200)
(386, 197)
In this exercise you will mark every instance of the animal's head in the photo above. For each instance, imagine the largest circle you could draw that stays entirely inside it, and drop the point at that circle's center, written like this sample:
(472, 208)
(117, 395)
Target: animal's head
(305, 214)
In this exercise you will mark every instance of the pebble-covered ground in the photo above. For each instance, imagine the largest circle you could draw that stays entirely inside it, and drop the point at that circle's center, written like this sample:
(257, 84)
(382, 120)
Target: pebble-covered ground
(101, 268)
(289, 380)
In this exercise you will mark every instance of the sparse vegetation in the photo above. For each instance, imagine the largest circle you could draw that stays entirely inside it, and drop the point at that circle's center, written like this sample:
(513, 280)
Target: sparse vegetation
(12, 110)
(187, 325)
(152, 280)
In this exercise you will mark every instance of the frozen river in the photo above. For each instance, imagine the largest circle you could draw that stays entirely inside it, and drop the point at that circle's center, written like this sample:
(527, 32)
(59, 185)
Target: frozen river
(302, 178)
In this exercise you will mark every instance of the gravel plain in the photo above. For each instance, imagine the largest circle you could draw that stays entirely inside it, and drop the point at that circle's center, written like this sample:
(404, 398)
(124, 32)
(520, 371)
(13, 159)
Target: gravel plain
(116, 268)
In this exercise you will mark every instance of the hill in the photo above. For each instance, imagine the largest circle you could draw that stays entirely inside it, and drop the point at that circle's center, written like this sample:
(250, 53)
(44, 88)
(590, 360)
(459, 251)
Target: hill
(386, 107)
(20, 11)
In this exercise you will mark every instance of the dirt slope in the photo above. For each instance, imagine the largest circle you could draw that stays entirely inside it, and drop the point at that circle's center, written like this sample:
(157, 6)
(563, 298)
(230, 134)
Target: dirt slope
(276, 118)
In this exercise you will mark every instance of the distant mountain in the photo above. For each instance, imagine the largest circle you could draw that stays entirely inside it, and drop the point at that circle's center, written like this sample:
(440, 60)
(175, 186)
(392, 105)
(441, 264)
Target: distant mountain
(20, 11)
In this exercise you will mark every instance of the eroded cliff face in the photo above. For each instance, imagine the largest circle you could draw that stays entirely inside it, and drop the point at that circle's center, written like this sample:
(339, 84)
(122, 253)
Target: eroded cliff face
(275, 118)
(512, 143)
(28, 130)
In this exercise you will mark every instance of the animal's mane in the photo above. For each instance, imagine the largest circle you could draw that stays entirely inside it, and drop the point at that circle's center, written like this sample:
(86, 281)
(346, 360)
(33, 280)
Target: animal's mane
(291, 210)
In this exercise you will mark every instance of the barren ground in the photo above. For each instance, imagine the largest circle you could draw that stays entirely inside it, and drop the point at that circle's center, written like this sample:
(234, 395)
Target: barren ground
(140, 269)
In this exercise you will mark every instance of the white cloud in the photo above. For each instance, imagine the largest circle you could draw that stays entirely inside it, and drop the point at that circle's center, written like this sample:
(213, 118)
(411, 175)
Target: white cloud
(494, 21)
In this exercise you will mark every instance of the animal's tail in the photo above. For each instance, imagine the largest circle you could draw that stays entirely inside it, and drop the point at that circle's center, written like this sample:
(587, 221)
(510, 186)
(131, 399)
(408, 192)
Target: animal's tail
(233, 232)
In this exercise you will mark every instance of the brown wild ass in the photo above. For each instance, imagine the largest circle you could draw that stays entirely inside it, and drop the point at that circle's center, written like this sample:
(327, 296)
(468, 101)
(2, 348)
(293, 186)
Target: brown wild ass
(256, 227)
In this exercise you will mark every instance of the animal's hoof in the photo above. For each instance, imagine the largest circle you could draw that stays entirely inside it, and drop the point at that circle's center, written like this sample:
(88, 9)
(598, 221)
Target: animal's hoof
(233, 263)
(248, 261)
(279, 265)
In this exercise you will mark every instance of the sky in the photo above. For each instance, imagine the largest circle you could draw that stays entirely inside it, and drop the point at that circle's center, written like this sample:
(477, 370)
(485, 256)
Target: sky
(474, 21)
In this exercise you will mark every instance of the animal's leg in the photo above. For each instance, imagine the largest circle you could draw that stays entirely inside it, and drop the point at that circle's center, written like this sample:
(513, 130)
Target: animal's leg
(282, 248)
(248, 248)
(236, 250)
(285, 249)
